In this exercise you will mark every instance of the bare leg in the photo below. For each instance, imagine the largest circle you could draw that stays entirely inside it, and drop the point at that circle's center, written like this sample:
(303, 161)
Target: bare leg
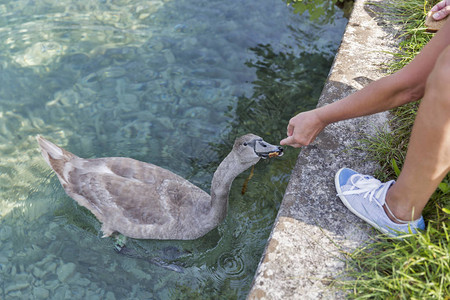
(428, 157)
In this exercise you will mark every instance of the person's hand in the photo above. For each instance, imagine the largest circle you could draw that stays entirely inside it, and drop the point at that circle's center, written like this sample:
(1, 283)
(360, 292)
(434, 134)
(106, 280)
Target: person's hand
(303, 129)
(442, 9)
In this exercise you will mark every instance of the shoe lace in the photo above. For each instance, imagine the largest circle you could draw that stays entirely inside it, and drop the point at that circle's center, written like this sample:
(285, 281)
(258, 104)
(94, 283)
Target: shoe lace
(369, 186)
(372, 188)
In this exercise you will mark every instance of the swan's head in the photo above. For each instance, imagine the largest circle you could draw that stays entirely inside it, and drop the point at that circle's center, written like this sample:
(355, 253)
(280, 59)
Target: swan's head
(251, 148)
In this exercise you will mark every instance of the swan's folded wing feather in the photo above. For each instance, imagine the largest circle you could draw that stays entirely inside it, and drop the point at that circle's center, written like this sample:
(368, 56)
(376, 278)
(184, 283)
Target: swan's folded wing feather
(108, 195)
(137, 201)
(143, 193)
(173, 189)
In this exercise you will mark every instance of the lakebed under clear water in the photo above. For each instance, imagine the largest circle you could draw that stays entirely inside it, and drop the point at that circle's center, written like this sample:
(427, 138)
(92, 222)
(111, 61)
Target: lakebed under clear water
(167, 82)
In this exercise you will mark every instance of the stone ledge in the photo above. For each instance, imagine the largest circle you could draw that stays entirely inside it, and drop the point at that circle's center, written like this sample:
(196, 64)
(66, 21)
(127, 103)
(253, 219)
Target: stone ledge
(304, 252)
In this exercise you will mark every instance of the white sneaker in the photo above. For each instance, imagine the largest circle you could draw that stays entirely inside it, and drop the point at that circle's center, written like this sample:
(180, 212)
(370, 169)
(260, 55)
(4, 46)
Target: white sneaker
(365, 196)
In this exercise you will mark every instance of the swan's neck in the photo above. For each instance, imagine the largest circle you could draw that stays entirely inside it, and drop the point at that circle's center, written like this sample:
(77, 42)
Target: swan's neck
(227, 171)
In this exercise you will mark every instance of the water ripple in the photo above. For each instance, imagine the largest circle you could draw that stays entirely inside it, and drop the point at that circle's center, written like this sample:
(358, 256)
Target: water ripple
(232, 264)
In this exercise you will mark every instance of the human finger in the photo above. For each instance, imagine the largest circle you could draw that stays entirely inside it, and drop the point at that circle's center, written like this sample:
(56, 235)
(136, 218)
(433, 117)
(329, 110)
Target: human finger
(439, 6)
(441, 13)
(286, 141)
(290, 129)
(289, 141)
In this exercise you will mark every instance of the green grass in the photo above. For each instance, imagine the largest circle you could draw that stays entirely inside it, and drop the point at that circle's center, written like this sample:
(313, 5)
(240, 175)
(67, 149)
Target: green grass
(417, 267)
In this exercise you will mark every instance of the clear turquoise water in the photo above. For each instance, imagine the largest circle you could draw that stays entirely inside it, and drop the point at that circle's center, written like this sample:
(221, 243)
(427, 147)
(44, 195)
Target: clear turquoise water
(167, 82)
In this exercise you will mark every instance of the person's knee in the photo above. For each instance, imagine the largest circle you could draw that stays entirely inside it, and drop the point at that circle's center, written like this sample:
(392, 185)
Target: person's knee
(441, 68)
(437, 83)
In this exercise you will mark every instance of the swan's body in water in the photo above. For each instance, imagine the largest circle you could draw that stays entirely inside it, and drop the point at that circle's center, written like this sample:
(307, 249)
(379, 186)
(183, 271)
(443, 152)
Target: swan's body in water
(141, 200)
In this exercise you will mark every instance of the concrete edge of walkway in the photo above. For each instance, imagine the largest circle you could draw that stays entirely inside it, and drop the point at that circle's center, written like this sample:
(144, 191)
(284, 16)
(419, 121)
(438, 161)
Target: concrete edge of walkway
(304, 252)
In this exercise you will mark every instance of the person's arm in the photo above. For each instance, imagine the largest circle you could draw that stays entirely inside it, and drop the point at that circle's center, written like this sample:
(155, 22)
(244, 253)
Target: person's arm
(406, 85)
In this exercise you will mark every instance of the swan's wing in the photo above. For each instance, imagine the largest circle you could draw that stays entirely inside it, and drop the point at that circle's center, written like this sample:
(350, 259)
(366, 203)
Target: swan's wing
(124, 191)
(166, 201)
(171, 191)
(108, 195)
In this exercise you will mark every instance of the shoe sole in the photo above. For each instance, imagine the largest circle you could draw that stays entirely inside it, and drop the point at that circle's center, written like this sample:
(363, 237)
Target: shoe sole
(373, 224)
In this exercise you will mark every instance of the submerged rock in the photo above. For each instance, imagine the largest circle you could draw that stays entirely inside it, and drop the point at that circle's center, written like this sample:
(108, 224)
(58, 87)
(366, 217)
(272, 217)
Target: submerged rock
(16, 286)
(5, 232)
(110, 296)
(40, 293)
(66, 271)
(41, 53)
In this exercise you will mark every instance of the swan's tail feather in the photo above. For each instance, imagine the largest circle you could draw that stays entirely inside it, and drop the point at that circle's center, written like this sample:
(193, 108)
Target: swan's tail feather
(55, 156)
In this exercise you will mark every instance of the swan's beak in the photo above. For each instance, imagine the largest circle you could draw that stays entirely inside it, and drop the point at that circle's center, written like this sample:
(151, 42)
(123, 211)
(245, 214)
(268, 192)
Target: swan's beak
(266, 150)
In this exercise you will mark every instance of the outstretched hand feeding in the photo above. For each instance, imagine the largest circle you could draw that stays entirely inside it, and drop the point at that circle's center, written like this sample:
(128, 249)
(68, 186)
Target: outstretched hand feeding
(303, 129)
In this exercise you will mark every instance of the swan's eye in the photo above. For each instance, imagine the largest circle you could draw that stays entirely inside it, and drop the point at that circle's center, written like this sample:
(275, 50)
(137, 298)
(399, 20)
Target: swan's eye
(245, 144)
